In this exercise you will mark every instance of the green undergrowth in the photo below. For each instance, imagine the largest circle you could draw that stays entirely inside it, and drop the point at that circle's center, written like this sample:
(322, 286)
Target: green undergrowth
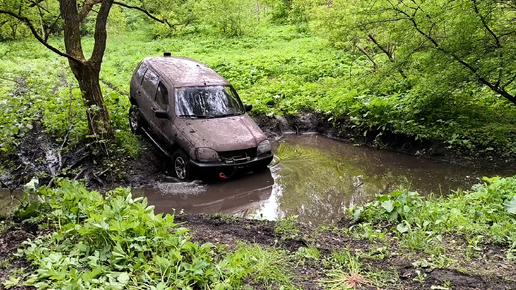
(117, 242)
(484, 215)
(278, 69)
(113, 241)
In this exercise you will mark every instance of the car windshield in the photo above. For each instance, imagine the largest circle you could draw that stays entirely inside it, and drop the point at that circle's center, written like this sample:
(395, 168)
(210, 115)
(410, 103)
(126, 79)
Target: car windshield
(208, 102)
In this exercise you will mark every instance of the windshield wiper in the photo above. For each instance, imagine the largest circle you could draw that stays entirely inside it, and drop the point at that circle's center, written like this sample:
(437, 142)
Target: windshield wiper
(227, 115)
(195, 116)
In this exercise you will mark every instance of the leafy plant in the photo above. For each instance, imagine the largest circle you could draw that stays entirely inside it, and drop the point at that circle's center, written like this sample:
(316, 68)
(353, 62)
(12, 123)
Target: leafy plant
(118, 242)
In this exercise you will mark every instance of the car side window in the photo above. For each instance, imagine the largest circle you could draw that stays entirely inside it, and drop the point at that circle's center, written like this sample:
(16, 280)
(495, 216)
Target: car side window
(150, 83)
(140, 72)
(162, 97)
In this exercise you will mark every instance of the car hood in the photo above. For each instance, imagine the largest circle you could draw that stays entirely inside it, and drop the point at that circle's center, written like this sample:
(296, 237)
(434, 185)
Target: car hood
(222, 134)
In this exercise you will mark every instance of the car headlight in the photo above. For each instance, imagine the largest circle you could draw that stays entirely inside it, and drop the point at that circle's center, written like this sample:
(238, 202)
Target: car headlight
(206, 155)
(264, 147)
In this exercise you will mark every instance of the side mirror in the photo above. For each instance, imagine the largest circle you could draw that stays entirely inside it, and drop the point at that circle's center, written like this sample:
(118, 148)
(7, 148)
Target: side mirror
(161, 114)
(248, 107)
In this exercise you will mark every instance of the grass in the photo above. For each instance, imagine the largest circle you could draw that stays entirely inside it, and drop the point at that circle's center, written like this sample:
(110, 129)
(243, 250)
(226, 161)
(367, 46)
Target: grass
(277, 69)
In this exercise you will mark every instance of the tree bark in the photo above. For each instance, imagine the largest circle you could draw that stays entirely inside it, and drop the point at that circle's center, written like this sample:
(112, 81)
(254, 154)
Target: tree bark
(87, 71)
(99, 123)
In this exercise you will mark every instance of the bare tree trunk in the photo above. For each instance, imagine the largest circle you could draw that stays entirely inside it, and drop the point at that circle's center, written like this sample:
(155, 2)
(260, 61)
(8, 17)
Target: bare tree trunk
(99, 123)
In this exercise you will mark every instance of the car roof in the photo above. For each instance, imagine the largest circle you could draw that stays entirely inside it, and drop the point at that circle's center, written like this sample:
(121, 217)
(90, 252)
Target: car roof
(184, 72)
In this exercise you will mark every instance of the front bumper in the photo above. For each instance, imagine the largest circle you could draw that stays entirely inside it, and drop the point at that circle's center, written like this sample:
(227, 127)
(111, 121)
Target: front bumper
(216, 168)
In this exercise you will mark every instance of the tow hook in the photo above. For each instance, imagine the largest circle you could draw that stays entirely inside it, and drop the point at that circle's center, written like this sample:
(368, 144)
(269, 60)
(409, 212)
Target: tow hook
(222, 175)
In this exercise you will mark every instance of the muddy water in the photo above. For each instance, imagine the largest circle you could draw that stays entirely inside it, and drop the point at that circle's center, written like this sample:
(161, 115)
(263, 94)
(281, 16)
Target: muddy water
(314, 177)
(8, 201)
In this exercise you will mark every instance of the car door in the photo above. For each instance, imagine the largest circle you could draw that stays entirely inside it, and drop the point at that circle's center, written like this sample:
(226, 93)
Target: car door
(147, 94)
(164, 102)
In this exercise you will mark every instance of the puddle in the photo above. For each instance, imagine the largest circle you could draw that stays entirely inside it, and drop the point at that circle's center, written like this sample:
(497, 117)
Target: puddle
(8, 202)
(236, 196)
(315, 177)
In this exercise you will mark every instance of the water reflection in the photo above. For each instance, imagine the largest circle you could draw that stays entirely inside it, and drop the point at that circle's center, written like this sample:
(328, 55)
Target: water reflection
(318, 177)
(233, 196)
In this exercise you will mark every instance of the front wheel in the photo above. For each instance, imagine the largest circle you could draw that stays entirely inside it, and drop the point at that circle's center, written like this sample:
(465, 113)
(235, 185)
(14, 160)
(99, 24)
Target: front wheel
(135, 120)
(182, 168)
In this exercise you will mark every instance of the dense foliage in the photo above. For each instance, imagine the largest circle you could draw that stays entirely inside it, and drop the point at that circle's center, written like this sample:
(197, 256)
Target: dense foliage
(486, 214)
(117, 242)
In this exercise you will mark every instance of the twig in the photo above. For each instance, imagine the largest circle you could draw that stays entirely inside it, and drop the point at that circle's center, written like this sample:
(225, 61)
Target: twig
(103, 172)
(79, 174)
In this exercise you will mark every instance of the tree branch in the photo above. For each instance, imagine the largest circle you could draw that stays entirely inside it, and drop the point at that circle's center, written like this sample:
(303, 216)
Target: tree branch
(164, 21)
(86, 8)
(100, 32)
(386, 51)
(497, 41)
(36, 4)
(37, 36)
(480, 78)
(375, 66)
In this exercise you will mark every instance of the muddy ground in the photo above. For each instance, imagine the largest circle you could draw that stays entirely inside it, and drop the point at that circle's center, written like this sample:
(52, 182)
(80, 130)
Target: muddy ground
(400, 268)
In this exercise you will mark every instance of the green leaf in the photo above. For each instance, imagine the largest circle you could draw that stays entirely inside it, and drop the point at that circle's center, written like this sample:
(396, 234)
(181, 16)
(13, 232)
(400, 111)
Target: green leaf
(510, 206)
(123, 278)
(388, 205)
(402, 227)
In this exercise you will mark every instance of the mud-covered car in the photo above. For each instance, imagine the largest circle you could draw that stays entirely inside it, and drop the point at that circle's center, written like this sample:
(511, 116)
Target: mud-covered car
(196, 117)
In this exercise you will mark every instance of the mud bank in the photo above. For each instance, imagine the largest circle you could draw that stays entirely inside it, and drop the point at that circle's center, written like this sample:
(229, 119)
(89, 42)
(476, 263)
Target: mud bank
(317, 123)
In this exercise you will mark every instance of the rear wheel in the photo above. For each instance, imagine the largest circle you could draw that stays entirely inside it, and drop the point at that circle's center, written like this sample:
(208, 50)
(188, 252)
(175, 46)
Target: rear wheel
(181, 165)
(135, 120)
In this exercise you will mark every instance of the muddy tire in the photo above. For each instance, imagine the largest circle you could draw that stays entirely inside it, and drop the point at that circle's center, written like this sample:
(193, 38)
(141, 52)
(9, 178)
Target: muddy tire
(135, 120)
(181, 166)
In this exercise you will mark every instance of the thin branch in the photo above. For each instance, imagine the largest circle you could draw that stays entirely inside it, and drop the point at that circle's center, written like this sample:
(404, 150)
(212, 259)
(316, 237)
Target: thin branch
(375, 65)
(164, 21)
(498, 44)
(37, 36)
(481, 79)
(509, 81)
(386, 51)
(36, 3)
(497, 41)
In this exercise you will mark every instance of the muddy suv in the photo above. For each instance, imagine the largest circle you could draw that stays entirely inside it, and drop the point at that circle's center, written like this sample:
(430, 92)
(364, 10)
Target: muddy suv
(195, 117)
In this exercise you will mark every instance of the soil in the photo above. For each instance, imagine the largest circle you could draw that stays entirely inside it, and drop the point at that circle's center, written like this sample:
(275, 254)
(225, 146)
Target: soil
(275, 127)
(40, 155)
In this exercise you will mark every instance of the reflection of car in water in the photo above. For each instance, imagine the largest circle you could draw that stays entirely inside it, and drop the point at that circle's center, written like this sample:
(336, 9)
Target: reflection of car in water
(196, 117)
(233, 196)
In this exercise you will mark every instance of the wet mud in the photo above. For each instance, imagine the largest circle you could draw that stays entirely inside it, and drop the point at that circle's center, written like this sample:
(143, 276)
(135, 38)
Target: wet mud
(276, 127)
(484, 272)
